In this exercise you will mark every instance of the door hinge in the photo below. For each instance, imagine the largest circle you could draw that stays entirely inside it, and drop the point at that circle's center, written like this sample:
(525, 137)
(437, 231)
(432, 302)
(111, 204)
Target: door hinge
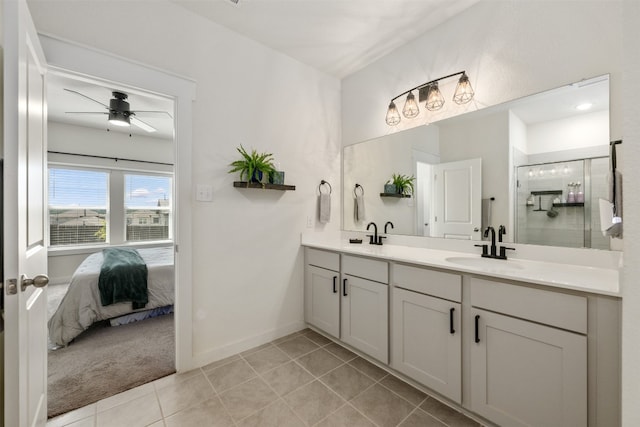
(12, 286)
(177, 249)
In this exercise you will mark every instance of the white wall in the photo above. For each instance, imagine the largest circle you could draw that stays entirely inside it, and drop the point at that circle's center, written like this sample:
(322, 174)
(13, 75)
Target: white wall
(585, 130)
(247, 265)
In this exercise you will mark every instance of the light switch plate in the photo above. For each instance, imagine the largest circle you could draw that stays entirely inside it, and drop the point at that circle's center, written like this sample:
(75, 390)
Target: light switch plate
(204, 193)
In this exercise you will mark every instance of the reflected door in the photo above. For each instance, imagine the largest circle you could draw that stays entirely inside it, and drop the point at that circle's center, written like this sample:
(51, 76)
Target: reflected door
(457, 200)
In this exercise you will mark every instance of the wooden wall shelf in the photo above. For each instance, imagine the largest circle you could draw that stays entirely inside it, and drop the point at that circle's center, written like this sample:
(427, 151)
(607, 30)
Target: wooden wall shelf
(281, 187)
(396, 195)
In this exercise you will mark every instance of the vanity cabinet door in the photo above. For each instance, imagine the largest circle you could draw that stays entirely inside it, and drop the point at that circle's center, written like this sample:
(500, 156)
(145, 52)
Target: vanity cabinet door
(426, 341)
(527, 374)
(322, 299)
(365, 316)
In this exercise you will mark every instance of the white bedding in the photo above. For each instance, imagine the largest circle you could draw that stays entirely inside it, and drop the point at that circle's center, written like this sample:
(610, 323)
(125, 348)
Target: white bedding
(81, 305)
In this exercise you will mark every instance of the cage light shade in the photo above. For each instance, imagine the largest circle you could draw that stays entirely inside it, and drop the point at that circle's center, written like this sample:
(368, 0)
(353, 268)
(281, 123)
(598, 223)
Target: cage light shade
(435, 100)
(393, 116)
(410, 109)
(117, 118)
(464, 92)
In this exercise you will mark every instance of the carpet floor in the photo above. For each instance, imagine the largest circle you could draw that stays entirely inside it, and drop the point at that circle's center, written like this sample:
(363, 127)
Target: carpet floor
(104, 361)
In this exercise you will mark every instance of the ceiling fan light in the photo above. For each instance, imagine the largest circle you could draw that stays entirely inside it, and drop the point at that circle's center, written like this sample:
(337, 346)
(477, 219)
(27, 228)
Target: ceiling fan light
(117, 118)
(410, 109)
(393, 116)
(464, 92)
(435, 100)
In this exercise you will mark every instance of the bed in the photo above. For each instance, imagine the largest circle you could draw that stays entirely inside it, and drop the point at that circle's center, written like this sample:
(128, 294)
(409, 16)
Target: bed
(81, 306)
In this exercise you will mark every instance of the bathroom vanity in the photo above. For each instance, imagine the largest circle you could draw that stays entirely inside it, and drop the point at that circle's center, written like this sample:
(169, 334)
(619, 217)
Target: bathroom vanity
(516, 342)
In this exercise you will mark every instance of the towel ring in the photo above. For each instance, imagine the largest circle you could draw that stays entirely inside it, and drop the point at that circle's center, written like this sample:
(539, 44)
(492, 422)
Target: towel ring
(323, 182)
(355, 190)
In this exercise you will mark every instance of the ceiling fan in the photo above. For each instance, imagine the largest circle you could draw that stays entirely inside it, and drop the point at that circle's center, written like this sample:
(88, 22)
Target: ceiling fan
(118, 111)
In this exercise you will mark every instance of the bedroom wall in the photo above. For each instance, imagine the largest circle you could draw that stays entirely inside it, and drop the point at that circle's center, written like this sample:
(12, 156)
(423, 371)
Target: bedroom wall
(247, 264)
(68, 138)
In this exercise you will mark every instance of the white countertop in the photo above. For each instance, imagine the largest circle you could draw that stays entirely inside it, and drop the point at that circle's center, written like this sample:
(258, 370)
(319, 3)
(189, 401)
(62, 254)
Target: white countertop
(566, 276)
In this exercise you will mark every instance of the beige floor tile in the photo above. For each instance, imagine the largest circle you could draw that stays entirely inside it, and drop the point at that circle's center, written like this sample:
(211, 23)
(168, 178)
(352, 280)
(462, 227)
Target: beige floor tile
(346, 416)
(368, 368)
(317, 338)
(247, 398)
(87, 422)
(255, 349)
(276, 414)
(124, 397)
(421, 419)
(313, 402)
(285, 338)
(347, 381)
(210, 412)
(72, 416)
(267, 359)
(286, 378)
(319, 362)
(398, 386)
(446, 414)
(139, 412)
(220, 362)
(158, 424)
(382, 406)
(230, 375)
(175, 378)
(341, 352)
(297, 346)
(183, 394)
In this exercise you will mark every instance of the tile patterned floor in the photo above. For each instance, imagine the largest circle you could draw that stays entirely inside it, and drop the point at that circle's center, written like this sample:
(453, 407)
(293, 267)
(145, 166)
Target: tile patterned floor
(303, 379)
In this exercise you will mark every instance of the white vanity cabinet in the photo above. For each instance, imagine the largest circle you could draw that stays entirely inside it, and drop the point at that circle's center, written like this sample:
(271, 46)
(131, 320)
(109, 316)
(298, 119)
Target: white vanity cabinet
(364, 306)
(322, 290)
(426, 328)
(528, 355)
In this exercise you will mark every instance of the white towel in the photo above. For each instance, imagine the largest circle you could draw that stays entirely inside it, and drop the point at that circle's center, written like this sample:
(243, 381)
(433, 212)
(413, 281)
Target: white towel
(358, 208)
(325, 208)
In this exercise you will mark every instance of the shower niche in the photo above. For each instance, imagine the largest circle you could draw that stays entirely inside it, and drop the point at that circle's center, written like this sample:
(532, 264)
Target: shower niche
(557, 203)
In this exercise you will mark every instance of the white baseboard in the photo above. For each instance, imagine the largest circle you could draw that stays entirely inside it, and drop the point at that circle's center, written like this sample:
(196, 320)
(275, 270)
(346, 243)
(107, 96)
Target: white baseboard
(217, 353)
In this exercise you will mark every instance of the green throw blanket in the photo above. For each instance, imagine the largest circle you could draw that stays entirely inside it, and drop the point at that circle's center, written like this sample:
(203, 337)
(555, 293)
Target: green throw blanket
(123, 277)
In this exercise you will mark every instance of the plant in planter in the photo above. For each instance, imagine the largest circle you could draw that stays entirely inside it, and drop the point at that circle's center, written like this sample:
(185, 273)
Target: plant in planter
(403, 184)
(256, 167)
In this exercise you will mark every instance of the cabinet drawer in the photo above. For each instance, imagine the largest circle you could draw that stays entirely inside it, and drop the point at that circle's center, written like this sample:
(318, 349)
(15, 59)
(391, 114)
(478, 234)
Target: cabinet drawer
(425, 281)
(323, 259)
(546, 307)
(371, 269)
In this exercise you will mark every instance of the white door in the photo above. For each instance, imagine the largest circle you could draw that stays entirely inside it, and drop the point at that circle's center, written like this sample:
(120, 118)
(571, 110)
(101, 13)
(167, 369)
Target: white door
(364, 320)
(25, 254)
(427, 343)
(323, 299)
(457, 200)
(527, 374)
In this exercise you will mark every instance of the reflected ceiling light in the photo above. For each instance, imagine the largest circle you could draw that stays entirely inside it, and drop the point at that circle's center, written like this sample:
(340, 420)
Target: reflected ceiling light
(430, 93)
(584, 106)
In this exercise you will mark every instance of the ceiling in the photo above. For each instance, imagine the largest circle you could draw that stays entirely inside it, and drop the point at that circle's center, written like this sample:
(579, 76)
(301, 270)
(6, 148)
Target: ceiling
(338, 37)
(60, 102)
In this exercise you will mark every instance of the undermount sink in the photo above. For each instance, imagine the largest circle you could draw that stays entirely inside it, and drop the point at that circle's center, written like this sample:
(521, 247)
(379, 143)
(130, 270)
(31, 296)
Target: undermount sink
(489, 264)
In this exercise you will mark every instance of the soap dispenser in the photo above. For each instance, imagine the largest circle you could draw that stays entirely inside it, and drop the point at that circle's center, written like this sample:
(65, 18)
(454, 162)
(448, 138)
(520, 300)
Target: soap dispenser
(571, 196)
(579, 194)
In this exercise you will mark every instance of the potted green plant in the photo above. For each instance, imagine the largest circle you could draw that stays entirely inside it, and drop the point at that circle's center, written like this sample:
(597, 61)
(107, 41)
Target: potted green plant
(403, 184)
(254, 166)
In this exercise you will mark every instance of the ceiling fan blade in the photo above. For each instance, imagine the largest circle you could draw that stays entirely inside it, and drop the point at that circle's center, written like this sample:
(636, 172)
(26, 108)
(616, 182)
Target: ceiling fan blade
(142, 125)
(153, 112)
(85, 96)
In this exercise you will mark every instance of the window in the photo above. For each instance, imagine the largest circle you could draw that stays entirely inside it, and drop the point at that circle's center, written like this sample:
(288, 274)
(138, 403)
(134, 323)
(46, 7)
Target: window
(78, 206)
(147, 207)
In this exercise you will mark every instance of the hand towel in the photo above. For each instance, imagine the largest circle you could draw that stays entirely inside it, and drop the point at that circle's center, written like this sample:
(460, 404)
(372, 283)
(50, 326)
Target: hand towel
(325, 208)
(615, 191)
(359, 208)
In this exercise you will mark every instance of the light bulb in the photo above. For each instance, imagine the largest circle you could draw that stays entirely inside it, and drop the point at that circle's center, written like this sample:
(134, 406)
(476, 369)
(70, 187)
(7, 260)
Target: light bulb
(464, 92)
(410, 109)
(393, 116)
(435, 100)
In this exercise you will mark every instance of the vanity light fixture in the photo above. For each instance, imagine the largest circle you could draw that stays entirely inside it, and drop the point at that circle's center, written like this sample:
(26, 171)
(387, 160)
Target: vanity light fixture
(430, 93)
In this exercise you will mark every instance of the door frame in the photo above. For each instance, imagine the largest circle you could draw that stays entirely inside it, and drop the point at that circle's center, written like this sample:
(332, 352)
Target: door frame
(71, 58)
